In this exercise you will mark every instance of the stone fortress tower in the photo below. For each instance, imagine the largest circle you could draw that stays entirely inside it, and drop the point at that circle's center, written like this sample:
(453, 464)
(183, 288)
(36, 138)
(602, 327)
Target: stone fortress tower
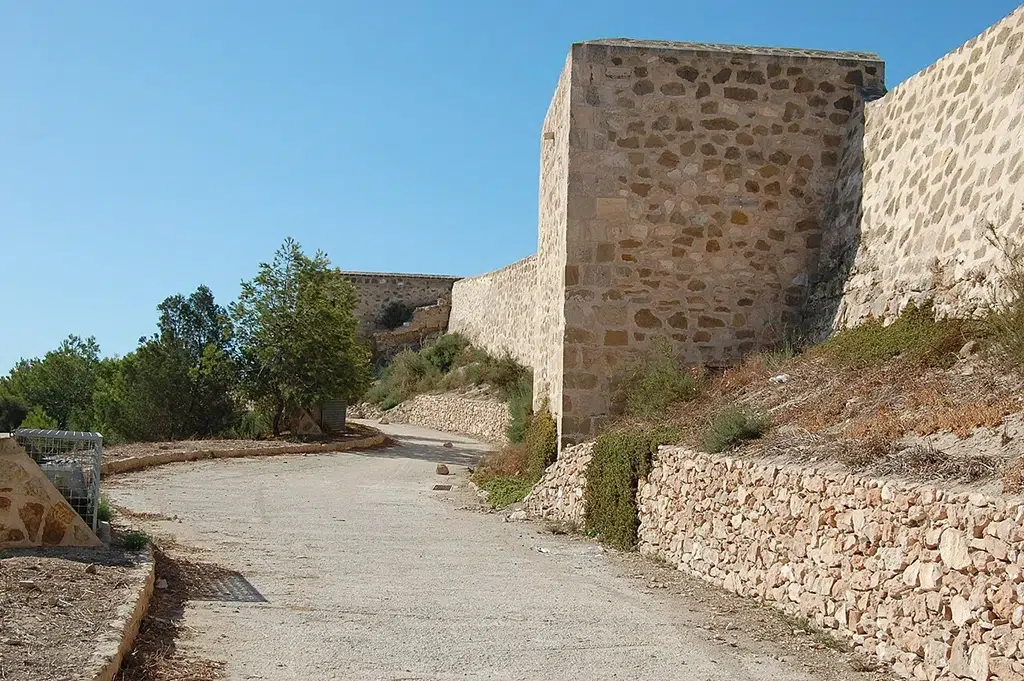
(723, 197)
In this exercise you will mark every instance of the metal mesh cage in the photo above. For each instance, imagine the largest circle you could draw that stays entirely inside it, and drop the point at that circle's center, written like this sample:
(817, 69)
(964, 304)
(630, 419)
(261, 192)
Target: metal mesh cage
(71, 461)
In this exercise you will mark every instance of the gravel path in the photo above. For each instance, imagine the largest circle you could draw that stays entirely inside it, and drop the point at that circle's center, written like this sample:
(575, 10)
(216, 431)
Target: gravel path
(370, 574)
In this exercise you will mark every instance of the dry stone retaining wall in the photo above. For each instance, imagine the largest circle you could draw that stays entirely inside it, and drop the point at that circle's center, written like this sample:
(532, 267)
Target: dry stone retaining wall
(927, 579)
(932, 164)
(496, 310)
(559, 494)
(483, 417)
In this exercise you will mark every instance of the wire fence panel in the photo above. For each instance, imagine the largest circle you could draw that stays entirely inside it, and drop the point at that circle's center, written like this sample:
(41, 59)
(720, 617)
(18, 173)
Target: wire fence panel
(71, 461)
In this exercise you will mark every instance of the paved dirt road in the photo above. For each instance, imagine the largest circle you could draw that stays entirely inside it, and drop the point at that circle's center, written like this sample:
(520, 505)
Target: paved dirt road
(369, 574)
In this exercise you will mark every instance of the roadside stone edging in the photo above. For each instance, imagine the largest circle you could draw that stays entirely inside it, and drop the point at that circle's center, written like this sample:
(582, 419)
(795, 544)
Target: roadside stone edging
(926, 579)
(374, 438)
(120, 637)
(481, 417)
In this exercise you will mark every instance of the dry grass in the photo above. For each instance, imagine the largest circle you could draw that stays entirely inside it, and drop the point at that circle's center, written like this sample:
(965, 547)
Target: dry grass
(1013, 477)
(886, 457)
(962, 419)
(155, 656)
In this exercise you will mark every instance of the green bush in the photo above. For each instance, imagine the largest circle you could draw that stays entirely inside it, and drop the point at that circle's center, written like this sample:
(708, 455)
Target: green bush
(621, 458)
(520, 409)
(394, 315)
(103, 512)
(541, 442)
(503, 491)
(12, 413)
(915, 336)
(733, 426)
(136, 540)
(653, 382)
(449, 363)
(445, 351)
(251, 424)
(37, 418)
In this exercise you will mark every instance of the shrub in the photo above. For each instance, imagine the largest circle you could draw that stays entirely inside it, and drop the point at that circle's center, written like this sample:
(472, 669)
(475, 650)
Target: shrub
(12, 413)
(520, 409)
(915, 336)
(621, 458)
(541, 441)
(733, 426)
(395, 314)
(1006, 322)
(503, 491)
(655, 381)
(136, 540)
(251, 424)
(444, 352)
(37, 418)
(103, 510)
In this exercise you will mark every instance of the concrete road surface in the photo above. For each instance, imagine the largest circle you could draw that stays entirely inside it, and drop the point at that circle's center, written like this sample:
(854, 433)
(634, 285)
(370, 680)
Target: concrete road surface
(370, 574)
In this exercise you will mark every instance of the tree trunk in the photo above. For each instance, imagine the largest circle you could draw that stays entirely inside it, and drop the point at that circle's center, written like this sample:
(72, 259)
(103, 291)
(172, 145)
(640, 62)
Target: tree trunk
(278, 413)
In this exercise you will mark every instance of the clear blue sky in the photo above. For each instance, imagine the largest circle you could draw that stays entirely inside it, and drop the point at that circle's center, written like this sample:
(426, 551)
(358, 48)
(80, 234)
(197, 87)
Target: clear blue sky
(148, 147)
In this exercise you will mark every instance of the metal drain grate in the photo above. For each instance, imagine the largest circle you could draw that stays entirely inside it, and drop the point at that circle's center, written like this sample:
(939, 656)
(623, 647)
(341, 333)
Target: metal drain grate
(226, 586)
(443, 488)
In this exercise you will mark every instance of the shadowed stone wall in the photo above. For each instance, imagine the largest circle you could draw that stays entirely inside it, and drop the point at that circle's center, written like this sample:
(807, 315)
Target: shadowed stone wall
(943, 158)
(377, 289)
(496, 310)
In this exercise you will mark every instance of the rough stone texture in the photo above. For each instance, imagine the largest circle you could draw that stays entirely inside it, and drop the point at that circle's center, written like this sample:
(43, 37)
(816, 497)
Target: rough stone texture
(925, 170)
(929, 580)
(496, 310)
(559, 494)
(483, 417)
(551, 249)
(427, 323)
(696, 178)
(377, 289)
(32, 511)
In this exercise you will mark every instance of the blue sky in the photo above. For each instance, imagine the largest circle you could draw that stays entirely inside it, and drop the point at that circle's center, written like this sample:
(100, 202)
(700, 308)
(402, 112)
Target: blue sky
(149, 147)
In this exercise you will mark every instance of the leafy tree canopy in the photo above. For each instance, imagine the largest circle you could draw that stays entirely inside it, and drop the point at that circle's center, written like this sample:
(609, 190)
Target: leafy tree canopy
(296, 333)
(60, 383)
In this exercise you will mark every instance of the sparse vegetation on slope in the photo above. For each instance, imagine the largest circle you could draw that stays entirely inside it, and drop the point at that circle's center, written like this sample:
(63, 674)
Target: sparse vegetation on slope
(451, 363)
(508, 475)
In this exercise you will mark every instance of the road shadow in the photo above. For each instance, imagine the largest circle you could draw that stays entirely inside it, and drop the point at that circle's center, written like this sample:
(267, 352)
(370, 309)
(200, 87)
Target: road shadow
(430, 448)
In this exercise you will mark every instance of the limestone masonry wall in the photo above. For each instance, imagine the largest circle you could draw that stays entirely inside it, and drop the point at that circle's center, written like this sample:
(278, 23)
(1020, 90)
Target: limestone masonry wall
(929, 580)
(377, 289)
(496, 310)
(937, 160)
(723, 197)
(483, 417)
(696, 178)
(551, 245)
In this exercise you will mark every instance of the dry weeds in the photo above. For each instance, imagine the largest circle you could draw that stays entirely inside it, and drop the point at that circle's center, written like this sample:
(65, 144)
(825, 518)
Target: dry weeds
(155, 656)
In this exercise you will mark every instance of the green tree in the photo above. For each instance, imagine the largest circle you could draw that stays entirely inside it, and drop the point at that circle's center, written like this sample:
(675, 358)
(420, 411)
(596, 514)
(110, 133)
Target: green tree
(296, 332)
(12, 413)
(178, 383)
(61, 383)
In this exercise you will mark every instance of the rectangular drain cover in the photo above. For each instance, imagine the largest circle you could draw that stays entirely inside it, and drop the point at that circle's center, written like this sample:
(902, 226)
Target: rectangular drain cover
(443, 488)
(226, 585)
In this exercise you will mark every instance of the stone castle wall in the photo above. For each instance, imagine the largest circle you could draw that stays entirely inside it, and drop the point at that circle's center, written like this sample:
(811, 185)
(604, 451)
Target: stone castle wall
(936, 161)
(377, 289)
(926, 579)
(496, 310)
(696, 178)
